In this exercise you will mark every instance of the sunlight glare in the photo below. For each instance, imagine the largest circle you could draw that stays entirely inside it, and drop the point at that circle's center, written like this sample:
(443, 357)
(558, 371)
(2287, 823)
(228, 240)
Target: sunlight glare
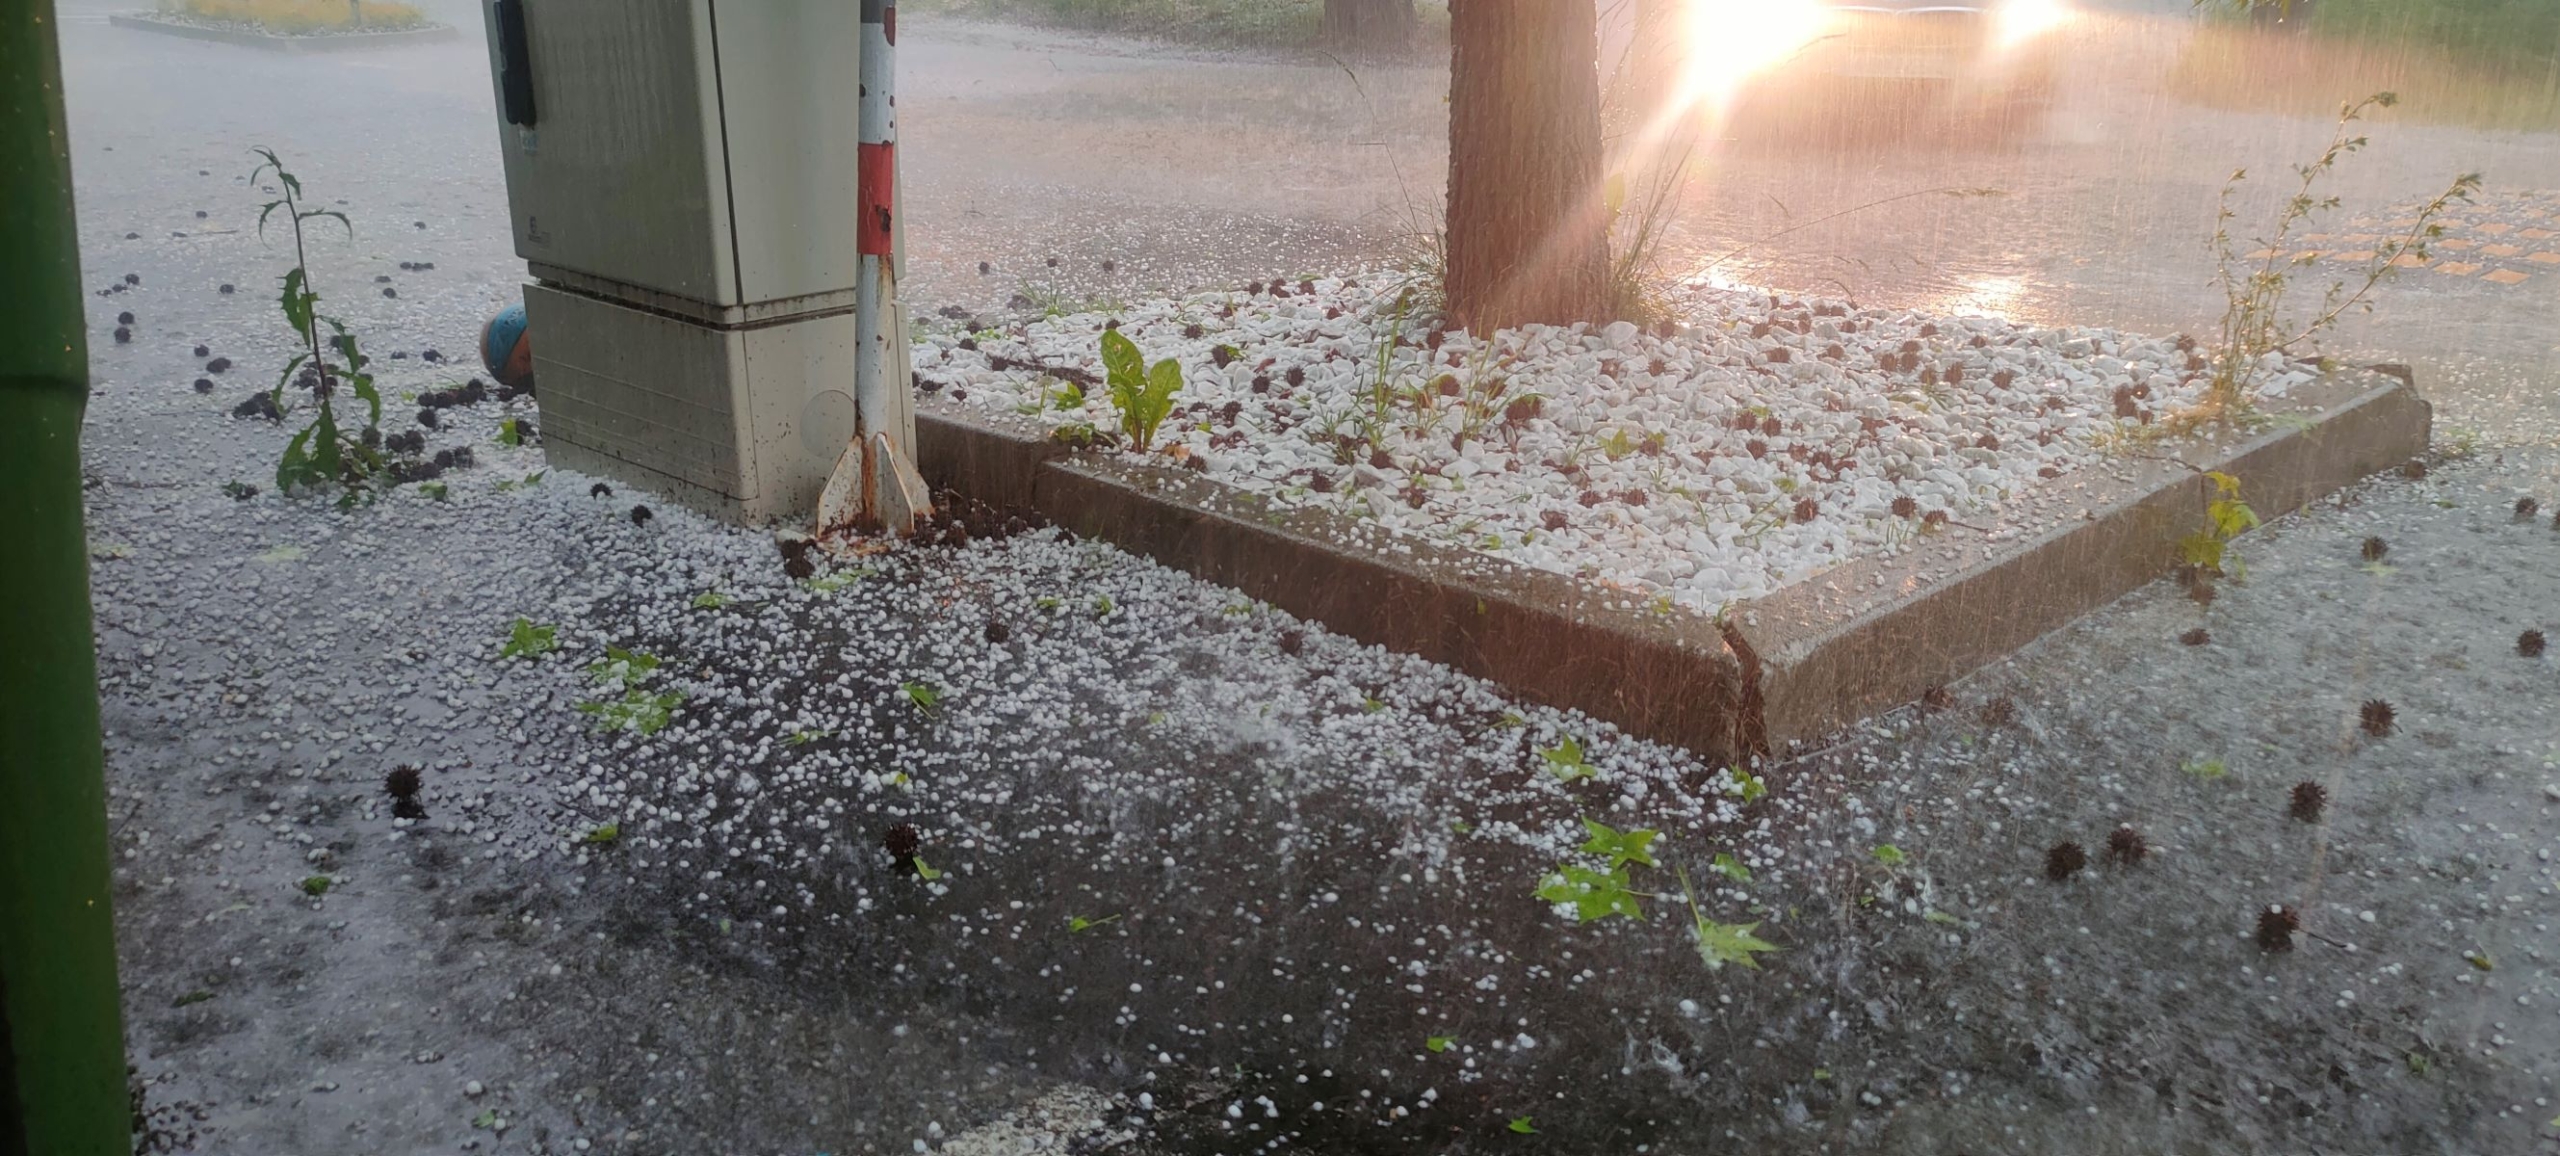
(1729, 41)
(2025, 20)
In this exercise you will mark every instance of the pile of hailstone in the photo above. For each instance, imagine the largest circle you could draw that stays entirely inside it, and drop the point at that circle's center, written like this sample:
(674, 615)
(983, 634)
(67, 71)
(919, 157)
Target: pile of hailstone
(1749, 443)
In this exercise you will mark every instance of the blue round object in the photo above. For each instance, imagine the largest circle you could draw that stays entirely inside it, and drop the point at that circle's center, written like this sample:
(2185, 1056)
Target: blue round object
(499, 340)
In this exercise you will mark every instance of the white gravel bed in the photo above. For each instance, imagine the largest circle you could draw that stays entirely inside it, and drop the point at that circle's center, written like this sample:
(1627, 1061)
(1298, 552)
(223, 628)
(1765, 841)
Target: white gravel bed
(1755, 442)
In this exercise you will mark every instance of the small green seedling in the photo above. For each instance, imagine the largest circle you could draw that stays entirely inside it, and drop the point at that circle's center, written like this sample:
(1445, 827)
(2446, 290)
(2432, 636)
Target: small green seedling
(316, 886)
(1144, 396)
(1047, 602)
(1889, 855)
(488, 1118)
(509, 433)
(1078, 923)
(602, 835)
(710, 600)
(923, 871)
(922, 695)
(1566, 762)
(526, 640)
(1747, 785)
(1731, 868)
(1371, 705)
(194, 997)
(436, 491)
(1439, 1043)
(528, 481)
(2228, 517)
(804, 738)
(2206, 770)
(622, 669)
(1523, 1126)
(1102, 606)
(637, 711)
(831, 583)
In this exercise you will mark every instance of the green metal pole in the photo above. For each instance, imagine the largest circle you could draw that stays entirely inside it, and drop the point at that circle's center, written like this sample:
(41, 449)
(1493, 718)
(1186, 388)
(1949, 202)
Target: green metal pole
(62, 1076)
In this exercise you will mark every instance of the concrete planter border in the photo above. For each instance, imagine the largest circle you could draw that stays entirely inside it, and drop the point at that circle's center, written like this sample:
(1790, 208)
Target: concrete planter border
(1788, 667)
(340, 42)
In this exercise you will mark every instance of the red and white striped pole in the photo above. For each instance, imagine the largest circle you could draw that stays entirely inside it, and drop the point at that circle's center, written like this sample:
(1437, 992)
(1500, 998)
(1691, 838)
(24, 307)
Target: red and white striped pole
(892, 495)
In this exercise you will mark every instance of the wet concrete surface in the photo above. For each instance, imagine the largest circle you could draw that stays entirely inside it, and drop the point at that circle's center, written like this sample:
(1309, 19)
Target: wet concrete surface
(265, 661)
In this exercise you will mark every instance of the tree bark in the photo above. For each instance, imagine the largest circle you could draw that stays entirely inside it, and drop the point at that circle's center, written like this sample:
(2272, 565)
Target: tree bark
(1528, 233)
(1369, 26)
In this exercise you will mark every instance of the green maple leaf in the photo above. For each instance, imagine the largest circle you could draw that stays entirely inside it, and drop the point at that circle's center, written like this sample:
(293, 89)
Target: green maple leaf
(1594, 894)
(527, 640)
(1621, 847)
(1723, 943)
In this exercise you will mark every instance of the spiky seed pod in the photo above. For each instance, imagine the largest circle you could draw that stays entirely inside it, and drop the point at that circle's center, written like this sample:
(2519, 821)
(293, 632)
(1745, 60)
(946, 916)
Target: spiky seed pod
(2309, 799)
(2276, 926)
(902, 841)
(2126, 846)
(1905, 507)
(1293, 642)
(2375, 549)
(409, 809)
(402, 782)
(998, 632)
(1937, 698)
(2000, 712)
(2526, 508)
(2378, 719)
(599, 490)
(2196, 637)
(2064, 860)
(640, 515)
(2201, 589)
(2530, 644)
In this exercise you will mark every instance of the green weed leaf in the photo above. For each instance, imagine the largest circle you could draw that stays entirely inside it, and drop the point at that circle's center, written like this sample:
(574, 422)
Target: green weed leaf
(1619, 847)
(1594, 895)
(527, 640)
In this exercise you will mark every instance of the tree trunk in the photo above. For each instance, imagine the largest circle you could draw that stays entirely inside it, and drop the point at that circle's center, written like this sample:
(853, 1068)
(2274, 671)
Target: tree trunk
(1528, 233)
(1369, 26)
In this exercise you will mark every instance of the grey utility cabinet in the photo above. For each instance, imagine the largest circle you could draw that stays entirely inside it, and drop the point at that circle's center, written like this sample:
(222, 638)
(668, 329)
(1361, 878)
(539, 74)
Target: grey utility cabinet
(682, 179)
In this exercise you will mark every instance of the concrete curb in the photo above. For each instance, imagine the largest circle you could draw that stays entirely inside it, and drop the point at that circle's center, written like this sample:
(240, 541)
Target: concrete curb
(336, 43)
(1792, 666)
(1879, 632)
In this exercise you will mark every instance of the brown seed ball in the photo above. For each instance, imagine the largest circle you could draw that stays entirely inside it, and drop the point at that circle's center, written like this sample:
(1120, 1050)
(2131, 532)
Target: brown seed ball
(2064, 860)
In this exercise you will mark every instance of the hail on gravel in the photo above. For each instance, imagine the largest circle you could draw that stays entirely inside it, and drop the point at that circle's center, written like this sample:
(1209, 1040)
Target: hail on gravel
(1763, 441)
